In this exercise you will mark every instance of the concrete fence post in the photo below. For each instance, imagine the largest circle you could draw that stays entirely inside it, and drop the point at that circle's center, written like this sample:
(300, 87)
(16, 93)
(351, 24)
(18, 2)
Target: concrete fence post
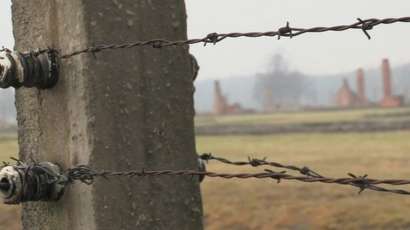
(115, 110)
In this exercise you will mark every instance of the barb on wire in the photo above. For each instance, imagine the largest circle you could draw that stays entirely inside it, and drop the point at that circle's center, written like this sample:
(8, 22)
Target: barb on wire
(213, 38)
(365, 27)
(285, 31)
(260, 162)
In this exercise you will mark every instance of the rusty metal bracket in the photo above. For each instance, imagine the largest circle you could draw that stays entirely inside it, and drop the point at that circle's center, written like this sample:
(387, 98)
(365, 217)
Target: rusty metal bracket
(34, 69)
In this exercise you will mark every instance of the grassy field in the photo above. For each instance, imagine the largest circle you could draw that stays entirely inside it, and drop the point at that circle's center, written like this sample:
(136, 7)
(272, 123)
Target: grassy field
(254, 204)
(264, 204)
(308, 117)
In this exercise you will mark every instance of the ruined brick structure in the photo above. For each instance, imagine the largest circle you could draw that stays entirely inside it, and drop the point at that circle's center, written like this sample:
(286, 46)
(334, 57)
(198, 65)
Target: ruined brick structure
(361, 89)
(389, 100)
(221, 105)
(345, 97)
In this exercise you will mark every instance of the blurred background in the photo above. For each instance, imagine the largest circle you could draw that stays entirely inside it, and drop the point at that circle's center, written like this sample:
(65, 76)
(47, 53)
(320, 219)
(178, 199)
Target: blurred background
(336, 102)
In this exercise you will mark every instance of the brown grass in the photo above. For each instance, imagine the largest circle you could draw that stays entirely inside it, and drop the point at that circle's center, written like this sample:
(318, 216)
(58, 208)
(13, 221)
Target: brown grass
(264, 204)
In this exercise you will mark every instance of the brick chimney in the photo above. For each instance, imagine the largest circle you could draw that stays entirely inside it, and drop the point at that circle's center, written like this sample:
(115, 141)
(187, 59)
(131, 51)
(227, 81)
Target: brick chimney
(389, 100)
(361, 93)
(219, 106)
(386, 79)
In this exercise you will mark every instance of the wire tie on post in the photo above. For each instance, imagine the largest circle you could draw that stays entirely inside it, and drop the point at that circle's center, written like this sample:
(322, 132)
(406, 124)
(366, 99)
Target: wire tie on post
(206, 157)
(31, 182)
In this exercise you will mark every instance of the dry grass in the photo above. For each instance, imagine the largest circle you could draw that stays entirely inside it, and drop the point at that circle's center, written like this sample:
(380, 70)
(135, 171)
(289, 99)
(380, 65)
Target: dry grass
(264, 204)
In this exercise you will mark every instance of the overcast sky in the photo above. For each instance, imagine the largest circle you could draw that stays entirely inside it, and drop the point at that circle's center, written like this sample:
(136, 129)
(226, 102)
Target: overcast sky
(311, 53)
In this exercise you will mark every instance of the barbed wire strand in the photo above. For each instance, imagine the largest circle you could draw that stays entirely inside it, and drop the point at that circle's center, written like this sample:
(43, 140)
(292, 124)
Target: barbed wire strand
(213, 38)
(87, 175)
(254, 162)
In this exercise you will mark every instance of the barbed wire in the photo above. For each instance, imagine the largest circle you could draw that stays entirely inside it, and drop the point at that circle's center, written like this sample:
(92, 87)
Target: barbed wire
(87, 175)
(254, 162)
(287, 31)
(42, 177)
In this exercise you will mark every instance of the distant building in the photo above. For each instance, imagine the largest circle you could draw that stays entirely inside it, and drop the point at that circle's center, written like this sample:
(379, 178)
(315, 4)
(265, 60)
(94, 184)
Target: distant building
(389, 100)
(221, 105)
(345, 97)
(220, 102)
(361, 88)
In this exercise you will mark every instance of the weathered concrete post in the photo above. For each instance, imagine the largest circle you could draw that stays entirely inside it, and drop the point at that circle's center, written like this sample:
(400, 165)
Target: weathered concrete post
(119, 110)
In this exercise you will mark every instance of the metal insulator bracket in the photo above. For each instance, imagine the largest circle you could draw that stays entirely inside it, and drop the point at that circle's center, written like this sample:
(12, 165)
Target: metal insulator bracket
(37, 182)
(34, 69)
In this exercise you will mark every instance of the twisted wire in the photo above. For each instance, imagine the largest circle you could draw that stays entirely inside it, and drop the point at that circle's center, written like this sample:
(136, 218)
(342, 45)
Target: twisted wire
(84, 174)
(87, 175)
(213, 38)
(254, 162)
